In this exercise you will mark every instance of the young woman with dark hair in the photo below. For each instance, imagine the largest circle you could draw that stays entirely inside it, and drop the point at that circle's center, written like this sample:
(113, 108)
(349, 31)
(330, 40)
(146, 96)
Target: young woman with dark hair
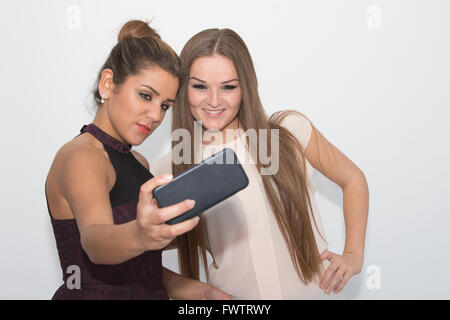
(99, 190)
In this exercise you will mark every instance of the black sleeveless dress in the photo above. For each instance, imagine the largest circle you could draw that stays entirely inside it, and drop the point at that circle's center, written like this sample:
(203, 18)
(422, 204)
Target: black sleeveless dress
(137, 278)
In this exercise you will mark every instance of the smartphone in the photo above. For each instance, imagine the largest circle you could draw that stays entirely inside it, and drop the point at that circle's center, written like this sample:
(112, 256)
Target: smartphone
(208, 183)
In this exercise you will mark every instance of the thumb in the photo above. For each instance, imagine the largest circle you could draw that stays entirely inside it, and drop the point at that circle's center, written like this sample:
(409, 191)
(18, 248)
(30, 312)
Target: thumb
(146, 203)
(145, 192)
(325, 255)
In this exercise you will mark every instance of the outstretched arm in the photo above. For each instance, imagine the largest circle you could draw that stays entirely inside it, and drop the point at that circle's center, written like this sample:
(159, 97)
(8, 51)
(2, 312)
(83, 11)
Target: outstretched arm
(83, 180)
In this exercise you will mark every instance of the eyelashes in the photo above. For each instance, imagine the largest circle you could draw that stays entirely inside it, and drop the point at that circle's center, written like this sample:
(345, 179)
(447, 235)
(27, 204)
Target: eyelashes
(148, 97)
(145, 96)
(199, 86)
(204, 87)
(229, 87)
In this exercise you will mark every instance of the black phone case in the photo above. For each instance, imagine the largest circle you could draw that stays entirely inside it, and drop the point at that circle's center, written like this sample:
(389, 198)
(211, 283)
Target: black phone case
(208, 183)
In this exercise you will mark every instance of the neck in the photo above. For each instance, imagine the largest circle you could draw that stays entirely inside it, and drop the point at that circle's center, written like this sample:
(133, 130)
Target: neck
(102, 121)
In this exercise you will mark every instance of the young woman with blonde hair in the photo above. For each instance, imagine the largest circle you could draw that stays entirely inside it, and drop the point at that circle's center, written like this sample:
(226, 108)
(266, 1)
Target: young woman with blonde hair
(267, 241)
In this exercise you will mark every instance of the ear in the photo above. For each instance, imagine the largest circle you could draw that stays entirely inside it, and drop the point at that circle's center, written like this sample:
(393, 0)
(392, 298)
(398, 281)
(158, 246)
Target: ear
(106, 84)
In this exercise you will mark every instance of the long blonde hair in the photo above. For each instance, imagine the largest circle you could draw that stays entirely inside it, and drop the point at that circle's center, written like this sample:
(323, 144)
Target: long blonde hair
(287, 190)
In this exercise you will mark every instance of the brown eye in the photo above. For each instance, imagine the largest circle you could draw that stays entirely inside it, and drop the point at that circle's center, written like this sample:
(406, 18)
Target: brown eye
(145, 96)
(229, 87)
(165, 107)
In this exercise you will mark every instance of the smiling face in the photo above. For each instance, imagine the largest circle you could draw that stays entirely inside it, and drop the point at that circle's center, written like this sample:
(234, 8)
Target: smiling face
(138, 107)
(214, 92)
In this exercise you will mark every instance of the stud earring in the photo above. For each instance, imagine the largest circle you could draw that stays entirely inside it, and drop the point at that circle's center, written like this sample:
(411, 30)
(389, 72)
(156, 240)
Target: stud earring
(103, 100)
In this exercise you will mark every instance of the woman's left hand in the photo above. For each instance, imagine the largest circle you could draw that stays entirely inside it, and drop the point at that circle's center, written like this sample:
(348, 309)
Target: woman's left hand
(341, 269)
(212, 293)
(182, 288)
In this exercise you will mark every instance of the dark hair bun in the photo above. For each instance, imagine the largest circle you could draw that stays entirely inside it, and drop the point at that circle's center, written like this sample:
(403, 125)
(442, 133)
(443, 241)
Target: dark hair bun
(137, 29)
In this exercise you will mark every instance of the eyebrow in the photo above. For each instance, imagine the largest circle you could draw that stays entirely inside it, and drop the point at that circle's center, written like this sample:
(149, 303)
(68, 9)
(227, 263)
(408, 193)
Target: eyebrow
(152, 89)
(195, 78)
(156, 92)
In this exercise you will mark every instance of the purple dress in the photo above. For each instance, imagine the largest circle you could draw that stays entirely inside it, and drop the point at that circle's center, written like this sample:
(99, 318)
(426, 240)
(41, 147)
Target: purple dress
(137, 278)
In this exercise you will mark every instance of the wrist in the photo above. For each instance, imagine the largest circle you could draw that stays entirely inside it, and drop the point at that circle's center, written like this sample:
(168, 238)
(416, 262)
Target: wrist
(181, 288)
(138, 241)
(356, 253)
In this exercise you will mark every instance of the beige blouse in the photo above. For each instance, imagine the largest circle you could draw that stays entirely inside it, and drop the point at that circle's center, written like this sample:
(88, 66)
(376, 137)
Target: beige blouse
(250, 257)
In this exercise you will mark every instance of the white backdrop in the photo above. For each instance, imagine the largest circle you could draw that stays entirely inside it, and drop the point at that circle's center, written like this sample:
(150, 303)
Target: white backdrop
(372, 75)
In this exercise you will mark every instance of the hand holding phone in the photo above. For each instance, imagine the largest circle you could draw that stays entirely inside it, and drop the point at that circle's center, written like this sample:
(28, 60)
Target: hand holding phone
(151, 231)
(207, 183)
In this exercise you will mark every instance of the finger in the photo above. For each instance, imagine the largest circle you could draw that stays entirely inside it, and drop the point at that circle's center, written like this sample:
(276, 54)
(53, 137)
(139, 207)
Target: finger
(324, 255)
(344, 281)
(328, 274)
(145, 193)
(169, 232)
(330, 256)
(334, 281)
(183, 227)
(165, 214)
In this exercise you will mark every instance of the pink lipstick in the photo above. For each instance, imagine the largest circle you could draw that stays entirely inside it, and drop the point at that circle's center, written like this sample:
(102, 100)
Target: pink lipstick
(144, 129)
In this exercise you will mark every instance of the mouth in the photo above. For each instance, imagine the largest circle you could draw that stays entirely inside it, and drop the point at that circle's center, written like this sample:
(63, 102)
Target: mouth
(144, 129)
(214, 113)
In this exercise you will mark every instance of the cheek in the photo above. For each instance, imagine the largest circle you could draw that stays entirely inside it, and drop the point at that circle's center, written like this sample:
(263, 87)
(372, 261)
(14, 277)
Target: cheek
(195, 98)
(124, 106)
(234, 100)
(123, 101)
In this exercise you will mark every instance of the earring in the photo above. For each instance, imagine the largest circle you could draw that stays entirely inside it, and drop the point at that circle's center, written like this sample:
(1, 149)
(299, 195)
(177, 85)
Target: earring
(103, 100)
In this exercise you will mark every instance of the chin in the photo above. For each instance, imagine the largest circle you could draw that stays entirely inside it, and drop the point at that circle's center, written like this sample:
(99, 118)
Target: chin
(213, 125)
(135, 141)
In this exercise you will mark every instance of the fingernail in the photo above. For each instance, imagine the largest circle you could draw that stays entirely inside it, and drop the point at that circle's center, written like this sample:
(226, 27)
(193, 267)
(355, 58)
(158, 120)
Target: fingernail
(190, 204)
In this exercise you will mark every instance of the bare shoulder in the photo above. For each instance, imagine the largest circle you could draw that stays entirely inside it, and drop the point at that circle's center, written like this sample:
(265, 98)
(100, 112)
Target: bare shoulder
(81, 157)
(81, 164)
(139, 157)
(81, 151)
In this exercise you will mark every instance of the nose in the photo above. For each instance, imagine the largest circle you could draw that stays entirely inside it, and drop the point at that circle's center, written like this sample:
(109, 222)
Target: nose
(155, 113)
(214, 98)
